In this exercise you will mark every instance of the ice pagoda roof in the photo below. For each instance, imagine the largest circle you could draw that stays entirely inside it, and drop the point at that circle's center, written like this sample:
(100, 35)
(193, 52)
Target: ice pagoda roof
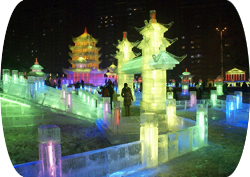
(133, 66)
(235, 71)
(85, 37)
(36, 66)
(82, 70)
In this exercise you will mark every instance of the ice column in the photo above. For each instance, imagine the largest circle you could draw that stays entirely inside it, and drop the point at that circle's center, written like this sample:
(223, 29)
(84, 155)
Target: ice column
(238, 95)
(21, 77)
(149, 134)
(6, 79)
(14, 76)
(69, 102)
(230, 107)
(213, 97)
(202, 121)
(170, 95)
(193, 99)
(31, 86)
(116, 116)
(50, 150)
(106, 109)
(171, 112)
(124, 54)
(154, 81)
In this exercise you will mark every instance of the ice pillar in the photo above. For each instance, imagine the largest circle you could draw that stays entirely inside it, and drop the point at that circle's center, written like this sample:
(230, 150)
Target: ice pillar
(31, 86)
(50, 150)
(202, 122)
(106, 109)
(21, 77)
(69, 102)
(193, 99)
(116, 116)
(14, 76)
(149, 134)
(213, 97)
(154, 81)
(219, 87)
(230, 108)
(238, 95)
(6, 79)
(171, 112)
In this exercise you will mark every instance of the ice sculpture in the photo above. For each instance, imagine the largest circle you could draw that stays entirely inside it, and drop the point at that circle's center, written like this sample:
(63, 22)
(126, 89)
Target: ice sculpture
(155, 61)
(14, 76)
(124, 54)
(149, 134)
(50, 150)
(85, 61)
(185, 77)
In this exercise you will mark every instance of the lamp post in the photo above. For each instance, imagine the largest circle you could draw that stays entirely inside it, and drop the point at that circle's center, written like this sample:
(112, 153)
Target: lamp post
(221, 47)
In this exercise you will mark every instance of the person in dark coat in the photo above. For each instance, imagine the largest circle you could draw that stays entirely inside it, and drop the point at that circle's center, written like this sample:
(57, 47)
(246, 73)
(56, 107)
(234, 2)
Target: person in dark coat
(59, 83)
(111, 91)
(82, 83)
(128, 98)
(244, 88)
(104, 91)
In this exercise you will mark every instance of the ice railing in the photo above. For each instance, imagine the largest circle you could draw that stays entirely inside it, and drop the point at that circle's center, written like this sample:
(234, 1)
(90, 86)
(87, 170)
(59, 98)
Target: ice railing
(101, 162)
(84, 104)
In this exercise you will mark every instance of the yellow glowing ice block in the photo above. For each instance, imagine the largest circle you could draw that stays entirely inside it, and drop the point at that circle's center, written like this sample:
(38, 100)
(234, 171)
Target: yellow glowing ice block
(149, 134)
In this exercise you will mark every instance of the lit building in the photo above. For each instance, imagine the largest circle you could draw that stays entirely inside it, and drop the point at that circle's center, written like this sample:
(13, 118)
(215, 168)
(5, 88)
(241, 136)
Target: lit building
(235, 75)
(85, 61)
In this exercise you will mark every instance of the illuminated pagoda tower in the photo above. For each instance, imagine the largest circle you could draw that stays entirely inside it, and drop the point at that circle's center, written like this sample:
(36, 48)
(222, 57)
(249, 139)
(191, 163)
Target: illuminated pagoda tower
(85, 61)
(155, 62)
(36, 70)
(185, 80)
(124, 55)
(111, 74)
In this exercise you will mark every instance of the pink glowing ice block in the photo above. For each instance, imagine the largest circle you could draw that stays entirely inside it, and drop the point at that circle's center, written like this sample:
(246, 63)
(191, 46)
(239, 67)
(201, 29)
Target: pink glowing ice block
(50, 150)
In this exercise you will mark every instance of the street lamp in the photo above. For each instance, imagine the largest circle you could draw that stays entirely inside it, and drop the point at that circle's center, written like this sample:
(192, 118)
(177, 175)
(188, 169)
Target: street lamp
(221, 47)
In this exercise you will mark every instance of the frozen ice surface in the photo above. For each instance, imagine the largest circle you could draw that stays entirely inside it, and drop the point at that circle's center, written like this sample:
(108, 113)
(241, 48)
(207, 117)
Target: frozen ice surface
(30, 169)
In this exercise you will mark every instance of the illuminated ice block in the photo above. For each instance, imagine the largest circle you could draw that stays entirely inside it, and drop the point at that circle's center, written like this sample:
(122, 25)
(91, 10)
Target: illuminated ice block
(31, 86)
(69, 102)
(170, 95)
(50, 151)
(21, 77)
(14, 76)
(149, 134)
(106, 109)
(202, 121)
(230, 108)
(213, 97)
(171, 112)
(116, 116)
(6, 75)
(193, 99)
(238, 95)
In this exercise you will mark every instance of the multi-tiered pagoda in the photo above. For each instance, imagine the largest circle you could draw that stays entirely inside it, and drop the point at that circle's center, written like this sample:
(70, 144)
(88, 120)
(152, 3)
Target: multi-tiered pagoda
(85, 61)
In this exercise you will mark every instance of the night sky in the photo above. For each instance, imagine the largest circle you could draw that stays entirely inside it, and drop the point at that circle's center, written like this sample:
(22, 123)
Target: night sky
(24, 41)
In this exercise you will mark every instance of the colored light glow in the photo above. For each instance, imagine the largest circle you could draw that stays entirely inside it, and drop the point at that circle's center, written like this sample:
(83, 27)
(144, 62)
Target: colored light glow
(11, 101)
(52, 164)
(117, 116)
(69, 99)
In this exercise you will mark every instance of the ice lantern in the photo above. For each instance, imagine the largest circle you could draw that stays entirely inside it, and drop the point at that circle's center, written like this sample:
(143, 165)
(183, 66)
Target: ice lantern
(50, 150)
(155, 61)
(219, 85)
(185, 77)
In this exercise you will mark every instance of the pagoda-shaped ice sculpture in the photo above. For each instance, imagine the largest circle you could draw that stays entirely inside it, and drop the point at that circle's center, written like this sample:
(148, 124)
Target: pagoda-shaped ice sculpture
(185, 79)
(36, 70)
(111, 74)
(85, 61)
(155, 62)
(124, 55)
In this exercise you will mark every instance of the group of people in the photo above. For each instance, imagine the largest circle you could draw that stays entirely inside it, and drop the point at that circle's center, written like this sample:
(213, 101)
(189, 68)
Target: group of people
(108, 91)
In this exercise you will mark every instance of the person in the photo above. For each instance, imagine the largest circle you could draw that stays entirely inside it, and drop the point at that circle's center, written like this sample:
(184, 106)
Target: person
(225, 92)
(198, 90)
(82, 83)
(244, 87)
(104, 91)
(127, 95)
(111, 91)
(59, 83)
